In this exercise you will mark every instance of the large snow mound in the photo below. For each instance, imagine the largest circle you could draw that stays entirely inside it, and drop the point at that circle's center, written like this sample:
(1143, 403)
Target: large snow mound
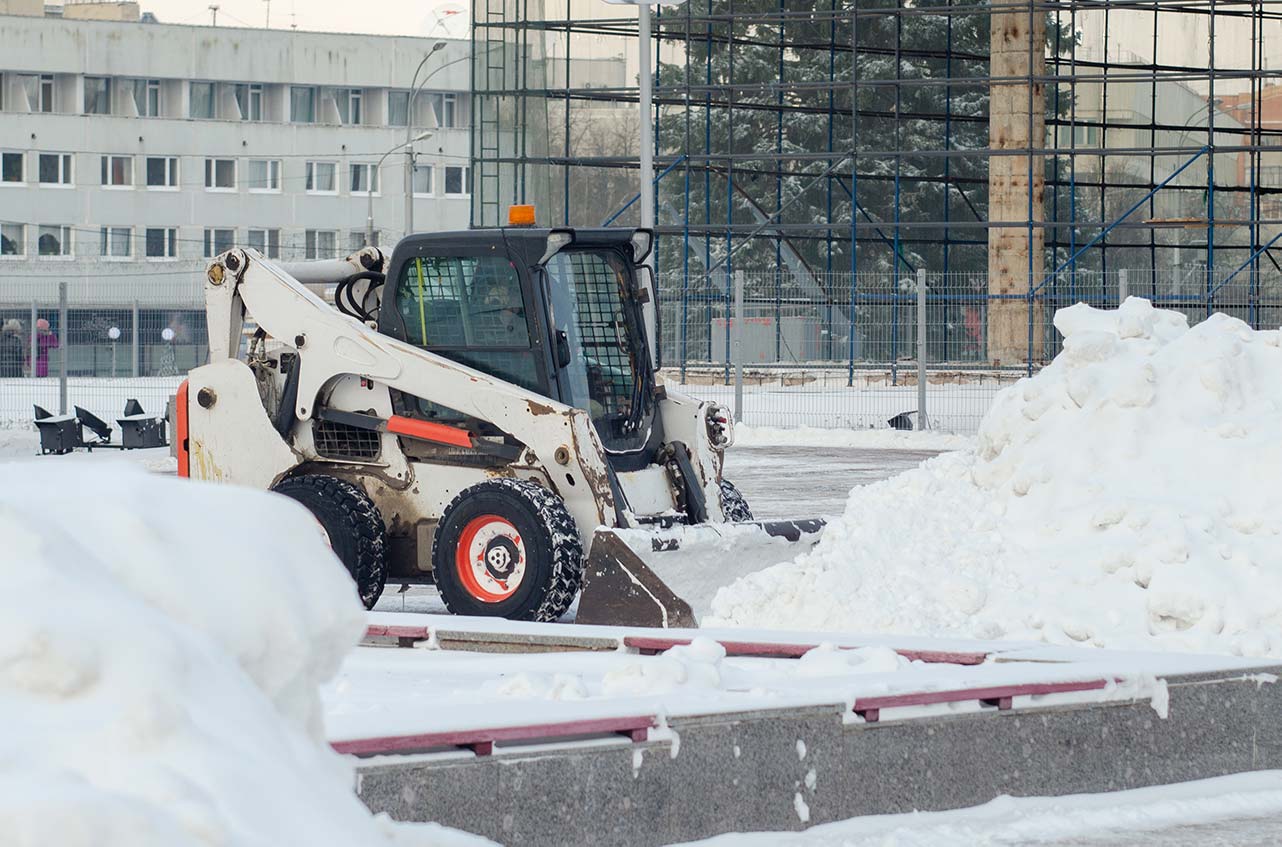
(161, 647)
(1129, 495)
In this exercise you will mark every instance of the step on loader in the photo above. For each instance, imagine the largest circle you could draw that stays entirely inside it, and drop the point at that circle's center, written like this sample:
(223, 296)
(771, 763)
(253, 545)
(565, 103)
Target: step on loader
(481, 410)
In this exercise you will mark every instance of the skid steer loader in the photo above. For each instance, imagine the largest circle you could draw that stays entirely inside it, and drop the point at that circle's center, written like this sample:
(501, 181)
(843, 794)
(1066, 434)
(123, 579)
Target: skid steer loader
(480, 410)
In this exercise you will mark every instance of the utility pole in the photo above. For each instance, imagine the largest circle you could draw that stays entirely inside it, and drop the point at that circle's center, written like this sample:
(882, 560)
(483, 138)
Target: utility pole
(214, 11)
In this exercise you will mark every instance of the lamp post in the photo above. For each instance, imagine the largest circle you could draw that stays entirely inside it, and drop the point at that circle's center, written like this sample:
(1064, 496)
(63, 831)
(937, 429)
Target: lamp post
(114, 335)
(373, 176)
(415, 87)
(645, 84)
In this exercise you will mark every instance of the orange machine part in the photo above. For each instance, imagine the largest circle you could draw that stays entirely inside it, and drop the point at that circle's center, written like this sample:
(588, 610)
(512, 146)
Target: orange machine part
(428, 431)
(180, 435)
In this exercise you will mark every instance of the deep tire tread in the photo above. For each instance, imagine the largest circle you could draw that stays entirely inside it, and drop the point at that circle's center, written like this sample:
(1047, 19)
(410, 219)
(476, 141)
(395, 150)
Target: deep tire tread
(346, 512)
(552, 599)
(734, 506)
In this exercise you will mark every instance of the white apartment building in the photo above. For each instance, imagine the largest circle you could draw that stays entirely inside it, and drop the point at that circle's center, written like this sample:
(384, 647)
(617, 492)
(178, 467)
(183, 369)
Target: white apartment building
(130, 152)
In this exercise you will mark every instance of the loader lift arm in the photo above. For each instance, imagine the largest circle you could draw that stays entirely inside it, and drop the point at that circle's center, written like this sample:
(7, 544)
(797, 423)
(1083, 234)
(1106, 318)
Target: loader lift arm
(241, 284)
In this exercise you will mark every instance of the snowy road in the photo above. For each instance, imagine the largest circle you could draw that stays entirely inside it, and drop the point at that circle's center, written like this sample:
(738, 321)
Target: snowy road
(804, 482)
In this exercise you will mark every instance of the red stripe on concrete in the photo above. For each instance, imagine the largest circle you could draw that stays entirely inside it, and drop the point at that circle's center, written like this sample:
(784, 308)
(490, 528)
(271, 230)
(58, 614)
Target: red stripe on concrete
(1000, 695)
(377, 631)
(651, 644)
(482, 740)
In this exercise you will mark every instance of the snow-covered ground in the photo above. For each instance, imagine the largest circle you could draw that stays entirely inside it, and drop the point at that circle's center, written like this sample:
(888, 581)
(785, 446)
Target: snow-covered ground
(1126, 496)
(382, 692)
(1242, 810)
(171, 699)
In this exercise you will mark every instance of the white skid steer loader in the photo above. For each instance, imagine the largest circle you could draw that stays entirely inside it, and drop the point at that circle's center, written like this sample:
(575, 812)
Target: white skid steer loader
(480, 410)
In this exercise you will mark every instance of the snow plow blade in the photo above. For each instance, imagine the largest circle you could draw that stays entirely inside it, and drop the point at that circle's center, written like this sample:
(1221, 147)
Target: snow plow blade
(667, 578)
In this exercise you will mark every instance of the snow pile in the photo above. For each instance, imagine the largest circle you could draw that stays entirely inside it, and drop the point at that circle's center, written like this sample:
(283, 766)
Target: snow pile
(696, 665)
(161, 647)
(828, 661)
(1126, 496)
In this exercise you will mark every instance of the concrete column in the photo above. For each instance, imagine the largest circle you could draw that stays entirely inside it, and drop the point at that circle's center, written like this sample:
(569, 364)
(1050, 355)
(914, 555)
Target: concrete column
(1017, 50)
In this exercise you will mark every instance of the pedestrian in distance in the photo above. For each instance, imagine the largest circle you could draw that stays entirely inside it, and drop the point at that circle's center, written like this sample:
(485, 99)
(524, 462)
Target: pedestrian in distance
(45, 341)
(11, 349)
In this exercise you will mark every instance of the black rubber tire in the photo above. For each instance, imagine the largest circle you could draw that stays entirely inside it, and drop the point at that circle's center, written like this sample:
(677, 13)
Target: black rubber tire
(355, 528)
(733, 505)
(554, 553)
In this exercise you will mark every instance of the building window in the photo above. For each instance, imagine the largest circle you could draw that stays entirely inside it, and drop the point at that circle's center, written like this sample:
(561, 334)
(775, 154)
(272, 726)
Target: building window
(398, 108)
(264, 175)
(219, 241)
(322, 178)
(302, 104)
(97, 95)
(46, 93)
(202, 101)
(423, 180)
(13, 239)
(458, 180)
(357, 240)
(118, 171)
(449, 110)
(54, 168)
(364, 179)
(349, 105)
(12, 166)
(161, 242)
(162, 172)
(320, 244)
(147, 97)
(220, 175)
(249, 99)
(53, 241)
(266, 242)
(116, 242)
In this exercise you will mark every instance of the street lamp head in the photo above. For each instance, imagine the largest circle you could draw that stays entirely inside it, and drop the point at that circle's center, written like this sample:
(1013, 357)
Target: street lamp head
(114, 333)
(421, 136)
(440, 45)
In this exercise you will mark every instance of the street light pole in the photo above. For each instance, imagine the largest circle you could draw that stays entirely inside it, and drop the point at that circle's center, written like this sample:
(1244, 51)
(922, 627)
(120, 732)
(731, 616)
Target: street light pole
(415, 88)
(372, 177)
(646, 84)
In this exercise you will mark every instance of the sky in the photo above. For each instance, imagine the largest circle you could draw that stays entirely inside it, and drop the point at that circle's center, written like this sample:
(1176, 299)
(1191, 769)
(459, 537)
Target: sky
(383, 17)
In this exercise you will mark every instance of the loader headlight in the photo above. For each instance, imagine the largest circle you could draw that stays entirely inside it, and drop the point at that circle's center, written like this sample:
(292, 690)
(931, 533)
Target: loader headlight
(720, 426)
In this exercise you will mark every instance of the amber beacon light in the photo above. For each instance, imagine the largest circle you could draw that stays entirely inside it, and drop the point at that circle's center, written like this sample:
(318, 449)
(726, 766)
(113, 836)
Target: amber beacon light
(520, 216)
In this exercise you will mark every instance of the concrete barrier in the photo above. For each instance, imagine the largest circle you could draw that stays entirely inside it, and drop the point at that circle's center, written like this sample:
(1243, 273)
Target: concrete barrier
(790, 769)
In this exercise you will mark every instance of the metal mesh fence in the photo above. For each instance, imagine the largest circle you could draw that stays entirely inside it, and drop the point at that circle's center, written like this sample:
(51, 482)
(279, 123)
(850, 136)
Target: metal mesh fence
(97, 343)
(842, 351)
(839, 352)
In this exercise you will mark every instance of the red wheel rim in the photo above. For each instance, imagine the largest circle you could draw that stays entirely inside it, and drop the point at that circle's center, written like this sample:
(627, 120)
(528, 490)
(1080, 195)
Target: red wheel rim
(490, 558)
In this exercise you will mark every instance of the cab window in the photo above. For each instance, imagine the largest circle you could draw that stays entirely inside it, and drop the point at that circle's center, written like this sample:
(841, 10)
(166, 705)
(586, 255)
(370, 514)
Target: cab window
(470, 309)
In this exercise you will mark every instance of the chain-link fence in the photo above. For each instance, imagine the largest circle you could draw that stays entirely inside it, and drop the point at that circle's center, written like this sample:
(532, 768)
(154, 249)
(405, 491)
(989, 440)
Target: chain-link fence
(839, 353)
(97, 343)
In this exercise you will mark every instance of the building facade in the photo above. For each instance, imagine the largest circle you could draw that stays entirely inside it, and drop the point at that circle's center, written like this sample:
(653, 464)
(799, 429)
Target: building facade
(131, 152)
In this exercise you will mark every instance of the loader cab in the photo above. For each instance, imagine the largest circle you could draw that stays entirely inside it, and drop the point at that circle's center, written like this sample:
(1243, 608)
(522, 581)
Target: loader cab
(567, 314)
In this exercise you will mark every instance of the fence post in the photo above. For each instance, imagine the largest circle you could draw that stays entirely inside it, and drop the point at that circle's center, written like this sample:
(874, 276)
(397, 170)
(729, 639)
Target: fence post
(35, 348)
(922, 422)
(134, 351)
(1123, 289)
(62, 348)
(736, 347)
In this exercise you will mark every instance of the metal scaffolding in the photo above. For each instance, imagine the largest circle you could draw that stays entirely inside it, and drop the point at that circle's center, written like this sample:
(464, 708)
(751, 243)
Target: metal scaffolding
(1026, 155)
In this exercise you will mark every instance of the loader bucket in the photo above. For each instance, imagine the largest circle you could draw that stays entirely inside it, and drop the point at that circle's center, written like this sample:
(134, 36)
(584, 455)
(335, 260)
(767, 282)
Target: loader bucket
(668, 577)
